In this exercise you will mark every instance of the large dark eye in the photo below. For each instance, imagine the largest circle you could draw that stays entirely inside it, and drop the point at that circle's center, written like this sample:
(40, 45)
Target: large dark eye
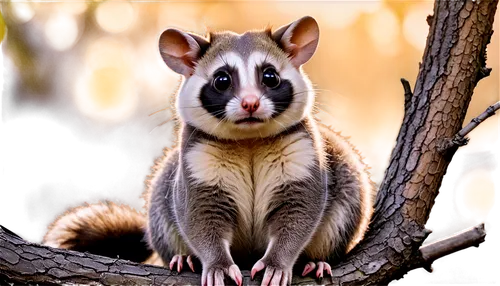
(270, 78)
(222, 81)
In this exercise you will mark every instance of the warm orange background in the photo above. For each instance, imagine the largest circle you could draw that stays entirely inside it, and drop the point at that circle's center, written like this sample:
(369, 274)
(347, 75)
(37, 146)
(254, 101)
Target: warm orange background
(80, 79)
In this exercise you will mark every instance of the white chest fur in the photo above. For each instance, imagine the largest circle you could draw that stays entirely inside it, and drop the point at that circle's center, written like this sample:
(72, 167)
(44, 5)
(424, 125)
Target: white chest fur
(251, 171)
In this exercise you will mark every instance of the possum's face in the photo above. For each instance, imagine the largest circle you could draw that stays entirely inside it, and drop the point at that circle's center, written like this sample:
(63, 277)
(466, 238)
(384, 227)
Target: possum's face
(243, 86)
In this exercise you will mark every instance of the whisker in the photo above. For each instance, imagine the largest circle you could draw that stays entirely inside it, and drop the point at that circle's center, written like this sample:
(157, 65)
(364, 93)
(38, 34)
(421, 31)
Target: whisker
(260, 133)
(320, 89)
(293, 101)
(300, 92)
(315, 108)
(198, 106)
(310, 135)
(321, 103)
(340, 94)
(215, 114)
(279, 123)
(321, 109)
(163, 109)
(217, 125)
(161, 124)
(208, 115)
(261, 96)
(277, 109)
(192, 132)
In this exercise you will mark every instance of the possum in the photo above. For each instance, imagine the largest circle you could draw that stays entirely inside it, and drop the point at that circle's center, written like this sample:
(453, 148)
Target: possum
(255, 181)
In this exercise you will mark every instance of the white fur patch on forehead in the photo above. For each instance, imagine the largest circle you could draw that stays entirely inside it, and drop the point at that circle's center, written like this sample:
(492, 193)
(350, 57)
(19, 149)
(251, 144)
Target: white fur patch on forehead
(231, 59)
(259, 57)
(245, 66)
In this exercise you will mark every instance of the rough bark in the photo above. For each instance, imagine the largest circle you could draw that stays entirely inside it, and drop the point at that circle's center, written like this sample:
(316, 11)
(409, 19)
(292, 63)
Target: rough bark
(22, 262)
(453, 63)
(431, 252)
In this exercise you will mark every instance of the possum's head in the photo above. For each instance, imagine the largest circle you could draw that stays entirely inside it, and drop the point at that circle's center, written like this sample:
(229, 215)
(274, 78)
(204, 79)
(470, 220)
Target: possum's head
(243, 86)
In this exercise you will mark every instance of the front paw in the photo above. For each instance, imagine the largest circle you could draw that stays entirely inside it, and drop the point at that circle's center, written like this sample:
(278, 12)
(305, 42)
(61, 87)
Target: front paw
(275, 274)
(214, 275)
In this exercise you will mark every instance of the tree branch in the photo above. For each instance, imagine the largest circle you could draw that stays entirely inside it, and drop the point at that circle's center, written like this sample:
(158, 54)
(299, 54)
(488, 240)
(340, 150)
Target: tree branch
(453, 63)
(23, 261)
(465, 239)
(459, 139)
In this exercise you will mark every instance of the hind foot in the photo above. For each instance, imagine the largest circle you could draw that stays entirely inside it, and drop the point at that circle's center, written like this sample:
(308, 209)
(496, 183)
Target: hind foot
(179, 260)
(320, 266)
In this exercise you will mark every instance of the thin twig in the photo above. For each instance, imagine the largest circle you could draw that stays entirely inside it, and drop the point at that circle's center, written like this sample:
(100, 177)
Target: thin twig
(459, 139)
(490, 111)
(452, 242)
(408, 93)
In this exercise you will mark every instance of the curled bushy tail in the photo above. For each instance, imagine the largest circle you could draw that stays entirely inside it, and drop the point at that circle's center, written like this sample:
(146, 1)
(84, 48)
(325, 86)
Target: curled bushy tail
(105, 229)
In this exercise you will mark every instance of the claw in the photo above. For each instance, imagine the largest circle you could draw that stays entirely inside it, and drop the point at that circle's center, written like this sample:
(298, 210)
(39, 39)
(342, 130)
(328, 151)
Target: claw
(235, 274)
(256, 268)
(179, 260)
(272, 275)
(328, 269)
(214, 276)
(320, 267)
(308, 268)
(176, 259)
(203, 278)
(190, 262)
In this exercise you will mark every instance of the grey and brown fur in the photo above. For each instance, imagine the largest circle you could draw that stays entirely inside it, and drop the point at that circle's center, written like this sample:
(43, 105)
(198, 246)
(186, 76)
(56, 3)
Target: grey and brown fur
(266, 194)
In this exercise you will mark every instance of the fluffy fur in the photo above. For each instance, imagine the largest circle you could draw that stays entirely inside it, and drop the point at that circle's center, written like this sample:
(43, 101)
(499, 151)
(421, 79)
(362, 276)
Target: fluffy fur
(269, 186)
(105, 228)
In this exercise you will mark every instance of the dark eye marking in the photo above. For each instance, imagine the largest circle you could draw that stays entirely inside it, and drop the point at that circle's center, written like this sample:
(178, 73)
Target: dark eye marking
(219, 90)
(276, 89)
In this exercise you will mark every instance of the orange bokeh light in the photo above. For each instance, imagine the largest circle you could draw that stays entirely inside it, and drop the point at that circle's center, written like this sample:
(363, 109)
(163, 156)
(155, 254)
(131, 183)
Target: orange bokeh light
(105, 97)
(383, 28)
(115, 16)
(479, 195)
(73, 7)
(111, 55)
(106, 90)
(415, 27)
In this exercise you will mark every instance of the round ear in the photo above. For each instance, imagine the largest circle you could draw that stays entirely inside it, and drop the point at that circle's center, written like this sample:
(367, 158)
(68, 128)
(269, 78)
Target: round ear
(181, 50)
(299, 39)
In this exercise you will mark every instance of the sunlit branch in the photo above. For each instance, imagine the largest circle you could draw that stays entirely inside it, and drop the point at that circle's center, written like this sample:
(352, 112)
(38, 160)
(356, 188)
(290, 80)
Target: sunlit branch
(460, 139)
(467, 238)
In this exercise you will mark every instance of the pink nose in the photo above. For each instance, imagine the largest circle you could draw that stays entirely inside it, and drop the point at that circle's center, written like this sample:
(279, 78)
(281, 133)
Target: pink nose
(250, 103)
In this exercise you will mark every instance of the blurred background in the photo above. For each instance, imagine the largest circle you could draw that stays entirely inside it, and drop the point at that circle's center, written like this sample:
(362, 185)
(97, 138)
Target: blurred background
(85, 105)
